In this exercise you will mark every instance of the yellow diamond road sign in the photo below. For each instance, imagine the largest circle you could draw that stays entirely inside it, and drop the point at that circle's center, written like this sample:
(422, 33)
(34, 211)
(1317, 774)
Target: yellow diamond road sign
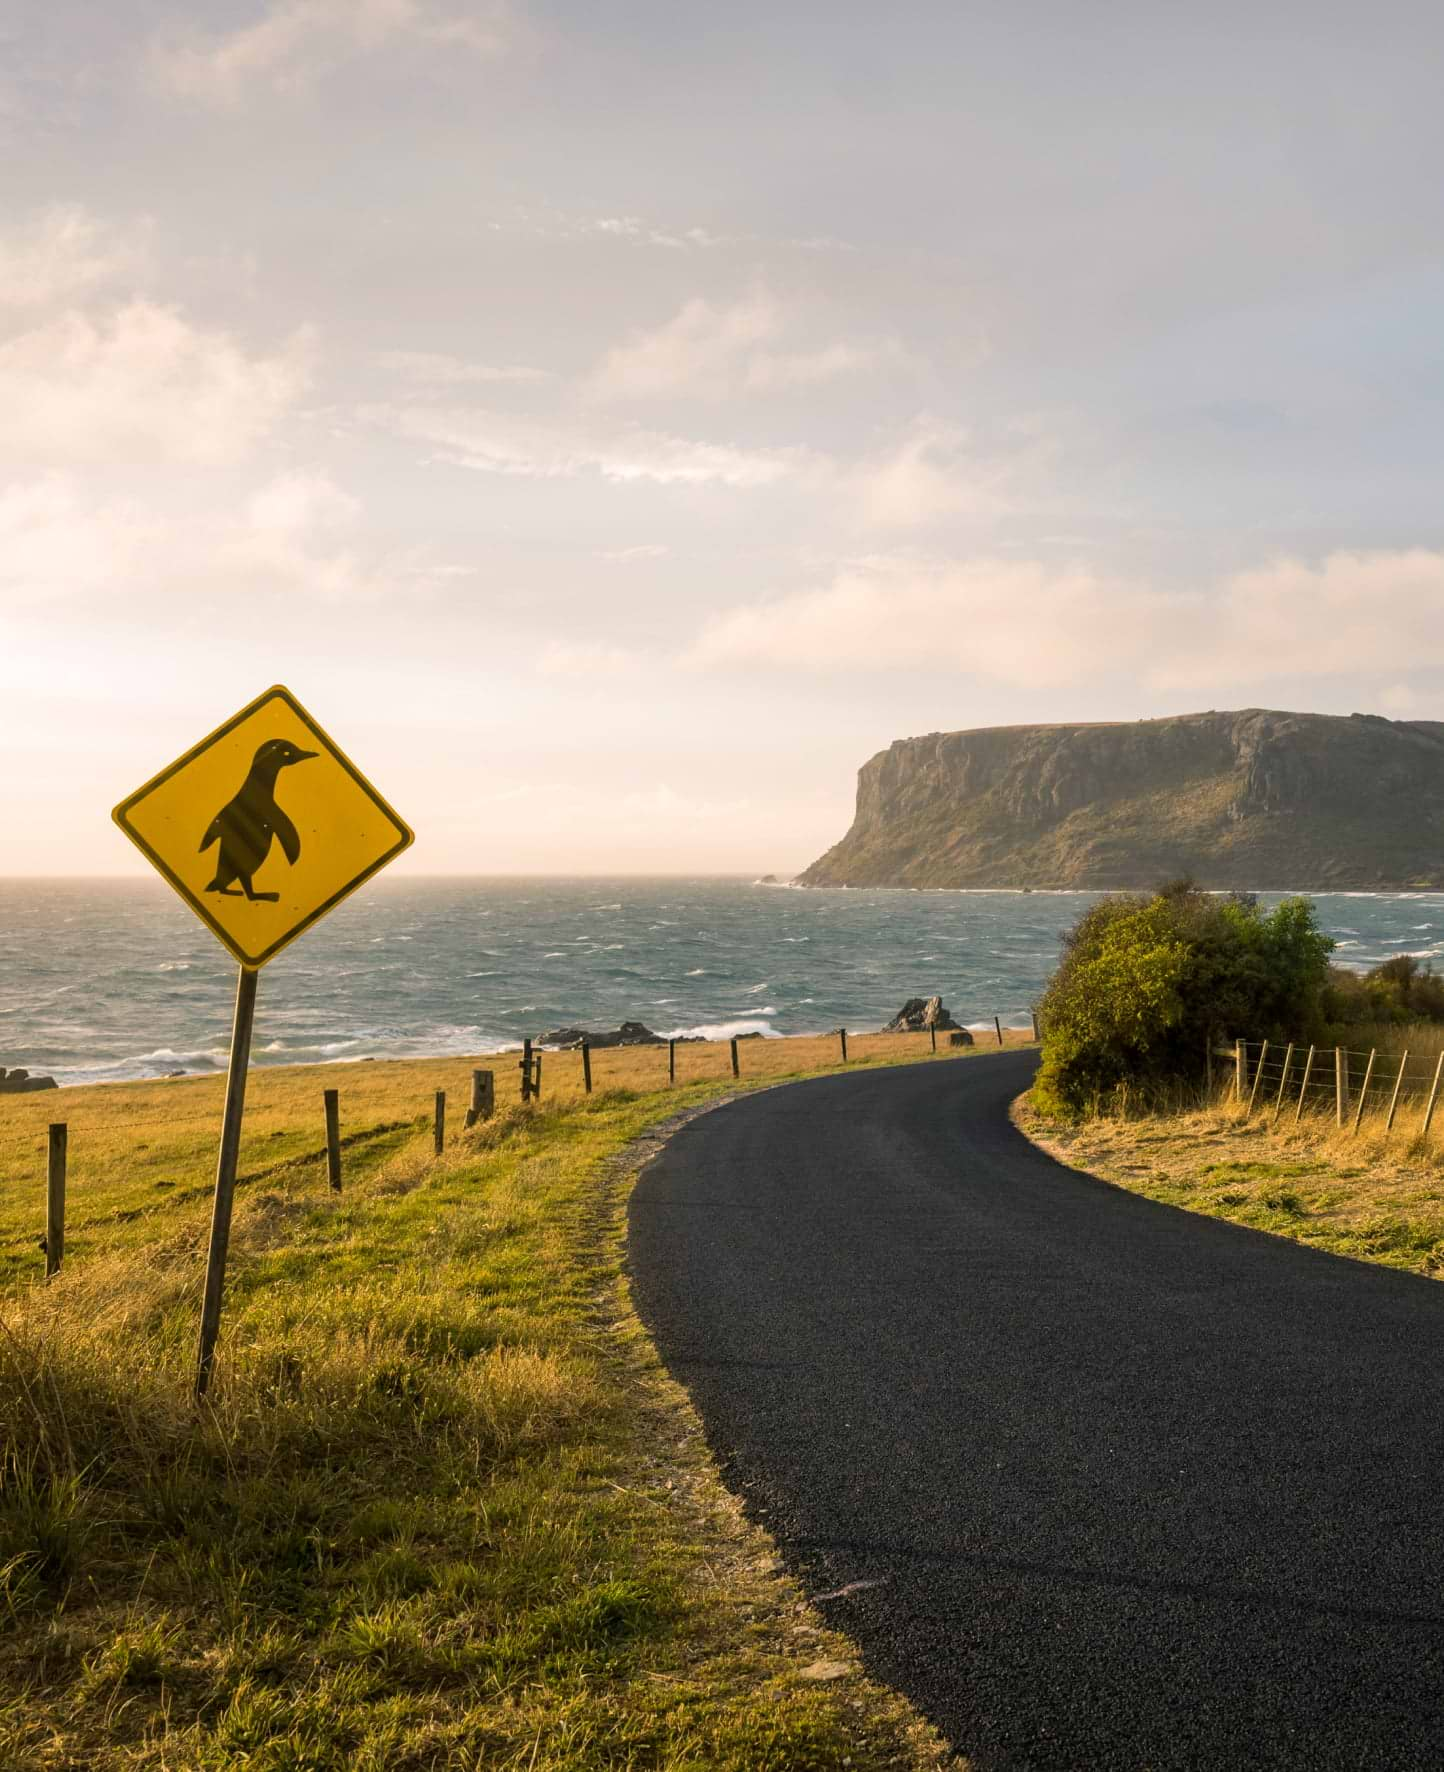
(263, 827)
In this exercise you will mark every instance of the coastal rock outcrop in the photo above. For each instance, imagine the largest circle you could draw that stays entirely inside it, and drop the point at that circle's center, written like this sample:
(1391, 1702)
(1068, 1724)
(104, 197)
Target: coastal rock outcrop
(630, 1033)
(1255, 800)
(919, 1014)
(17, 1082)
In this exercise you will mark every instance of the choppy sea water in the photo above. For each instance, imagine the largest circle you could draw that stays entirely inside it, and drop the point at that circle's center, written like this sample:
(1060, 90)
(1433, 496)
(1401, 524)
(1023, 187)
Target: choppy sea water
(103, 980)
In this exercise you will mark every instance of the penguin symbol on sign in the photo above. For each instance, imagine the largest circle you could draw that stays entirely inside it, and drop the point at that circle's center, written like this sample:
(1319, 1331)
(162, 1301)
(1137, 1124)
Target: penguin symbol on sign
(245, 825)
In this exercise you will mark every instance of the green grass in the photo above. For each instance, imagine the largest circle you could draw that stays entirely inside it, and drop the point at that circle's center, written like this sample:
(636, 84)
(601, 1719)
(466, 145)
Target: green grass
(442, 1508)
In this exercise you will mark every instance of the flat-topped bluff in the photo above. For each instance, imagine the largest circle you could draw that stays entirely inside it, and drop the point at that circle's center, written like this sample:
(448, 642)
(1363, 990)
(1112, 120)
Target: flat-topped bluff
(1256, 799)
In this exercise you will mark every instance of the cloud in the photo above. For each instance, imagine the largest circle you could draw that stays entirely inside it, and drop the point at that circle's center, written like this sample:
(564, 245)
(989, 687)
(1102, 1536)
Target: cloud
(54, 544)
(1027, 624)
(64, 253)
(499, 443)
(714, 353)
(931, 474)
(142, 383)
(433, 369)
(647, 550)
(295, 42)
(586, 658)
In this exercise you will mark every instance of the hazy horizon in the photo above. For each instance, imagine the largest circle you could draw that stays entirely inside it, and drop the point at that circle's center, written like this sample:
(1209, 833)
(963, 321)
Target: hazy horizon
(617, 425)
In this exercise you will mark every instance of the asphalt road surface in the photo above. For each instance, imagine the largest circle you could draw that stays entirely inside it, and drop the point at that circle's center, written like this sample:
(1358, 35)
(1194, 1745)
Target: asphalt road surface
(1095, 1482)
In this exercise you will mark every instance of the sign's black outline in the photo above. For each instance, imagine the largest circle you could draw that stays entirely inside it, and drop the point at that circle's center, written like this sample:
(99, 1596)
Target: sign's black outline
(254, 963)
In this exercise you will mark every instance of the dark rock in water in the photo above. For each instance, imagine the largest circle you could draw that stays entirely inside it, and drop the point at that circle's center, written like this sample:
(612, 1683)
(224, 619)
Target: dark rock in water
(919, 1014)
(754, 1035)
(768, 880)
(960, 1037)
(630, 1033)
(16, 1082)
(170, 1076)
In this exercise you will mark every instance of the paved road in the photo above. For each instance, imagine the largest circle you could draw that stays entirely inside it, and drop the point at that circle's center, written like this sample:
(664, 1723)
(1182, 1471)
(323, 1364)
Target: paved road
(1119, 1486)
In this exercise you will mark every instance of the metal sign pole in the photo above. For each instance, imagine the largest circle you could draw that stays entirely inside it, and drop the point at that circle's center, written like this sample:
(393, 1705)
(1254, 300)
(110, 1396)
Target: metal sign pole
(226, 1175)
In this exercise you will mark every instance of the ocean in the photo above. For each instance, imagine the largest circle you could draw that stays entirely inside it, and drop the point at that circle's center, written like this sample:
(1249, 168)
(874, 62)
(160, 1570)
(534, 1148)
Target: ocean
(102, 980)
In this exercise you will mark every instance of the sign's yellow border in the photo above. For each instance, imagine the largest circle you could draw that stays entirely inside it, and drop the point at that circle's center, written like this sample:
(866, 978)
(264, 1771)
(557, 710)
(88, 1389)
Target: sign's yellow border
(254, 962)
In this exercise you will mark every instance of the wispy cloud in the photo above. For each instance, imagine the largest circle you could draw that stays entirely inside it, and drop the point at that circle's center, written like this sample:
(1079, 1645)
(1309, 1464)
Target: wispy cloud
(501, 443)
(64, 253)
(646, 550)
(711, 352)
(433, 369)
(293, 43)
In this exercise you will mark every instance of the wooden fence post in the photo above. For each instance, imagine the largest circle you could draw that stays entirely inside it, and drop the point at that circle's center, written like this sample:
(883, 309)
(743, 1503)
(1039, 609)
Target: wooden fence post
(1257, 1078)
(1284, 1080)
(671, 1061)
(1364, 1092)
(997, 1023)
(1034, 1014)
(525, 1068)
(55, 1199)
(1240, 1068)
(1394, 1098)
(536, 1076)
(587, 1066)
(1433, 1097)
(332, 1100)
(933, 1030)
(483, 1097)
(439, 1127)
(1341, 1084)
(1304, 1088)
(736, 1067)
(842, 1036)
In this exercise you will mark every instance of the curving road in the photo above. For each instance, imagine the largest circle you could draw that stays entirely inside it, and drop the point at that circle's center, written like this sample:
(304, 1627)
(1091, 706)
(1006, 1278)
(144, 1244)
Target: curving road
(1095, 1482)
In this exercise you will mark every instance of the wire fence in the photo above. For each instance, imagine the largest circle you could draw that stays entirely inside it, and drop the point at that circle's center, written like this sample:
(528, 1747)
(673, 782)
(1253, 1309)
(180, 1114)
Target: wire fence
(1294, 1081)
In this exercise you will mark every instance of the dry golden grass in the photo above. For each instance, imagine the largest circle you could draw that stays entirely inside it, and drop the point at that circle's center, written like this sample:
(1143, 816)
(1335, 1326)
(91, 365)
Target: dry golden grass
(1374, 1194)
(441, 1508)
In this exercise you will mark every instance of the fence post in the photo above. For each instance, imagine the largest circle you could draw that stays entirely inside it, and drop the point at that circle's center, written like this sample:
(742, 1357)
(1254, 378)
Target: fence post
(1394, 1098)
(933, 1030)
(333, 1139)
(671, 1061)
(1284, 1080)
(1257, 1078)
(483, 1097)
(586, 1067)
(1304, 1088)
(1034, 1014)
(1364, 1092)
(536, 1076)
(525, 1068)
(997, 1023)
(439, 1128)
(842, 1036)
(55, 1198)
(1341, 1084)
(1240, 1068)
(1433, 1097)
(736, 1067)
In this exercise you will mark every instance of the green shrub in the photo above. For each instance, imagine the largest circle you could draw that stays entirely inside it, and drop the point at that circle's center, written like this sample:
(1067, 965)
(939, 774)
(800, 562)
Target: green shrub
(1147, 984)
(1402, 990)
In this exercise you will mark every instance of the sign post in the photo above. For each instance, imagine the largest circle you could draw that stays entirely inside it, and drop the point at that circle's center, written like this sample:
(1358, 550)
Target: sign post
(226, 812)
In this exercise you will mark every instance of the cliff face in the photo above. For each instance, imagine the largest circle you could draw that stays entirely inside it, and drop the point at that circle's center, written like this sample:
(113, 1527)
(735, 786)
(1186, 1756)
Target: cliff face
(1249, 800)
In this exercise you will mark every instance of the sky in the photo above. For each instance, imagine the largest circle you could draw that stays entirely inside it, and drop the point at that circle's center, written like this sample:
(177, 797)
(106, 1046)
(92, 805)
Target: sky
(616, 423)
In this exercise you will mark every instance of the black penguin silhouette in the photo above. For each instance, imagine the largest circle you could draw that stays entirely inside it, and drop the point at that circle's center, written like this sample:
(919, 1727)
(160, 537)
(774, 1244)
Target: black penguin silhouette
(244, 826)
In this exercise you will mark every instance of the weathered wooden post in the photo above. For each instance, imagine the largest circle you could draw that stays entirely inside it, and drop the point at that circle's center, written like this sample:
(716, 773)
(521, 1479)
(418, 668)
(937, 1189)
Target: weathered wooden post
(1433, 1097)
(332, 1101)
(525, 1069)
(1257, 1078)
(1284, 1080)
(1304, 1087)
(1341, 1084)
(736, 1067)
(55, 1199)
(1034, 1014)
(536, 1077)
(1364, 1092)
(933, 1030)
(587, 1066)
(226, 1161)
(438, 1131)
(842, 1040)
(997, 1023)
(1240, 1068)
(483, 1097)
(671, 1061)
(1394, 1098)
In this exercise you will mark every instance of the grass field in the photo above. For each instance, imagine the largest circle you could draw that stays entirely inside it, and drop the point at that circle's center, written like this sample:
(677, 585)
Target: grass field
(1372, 1194)
(442, 1508)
